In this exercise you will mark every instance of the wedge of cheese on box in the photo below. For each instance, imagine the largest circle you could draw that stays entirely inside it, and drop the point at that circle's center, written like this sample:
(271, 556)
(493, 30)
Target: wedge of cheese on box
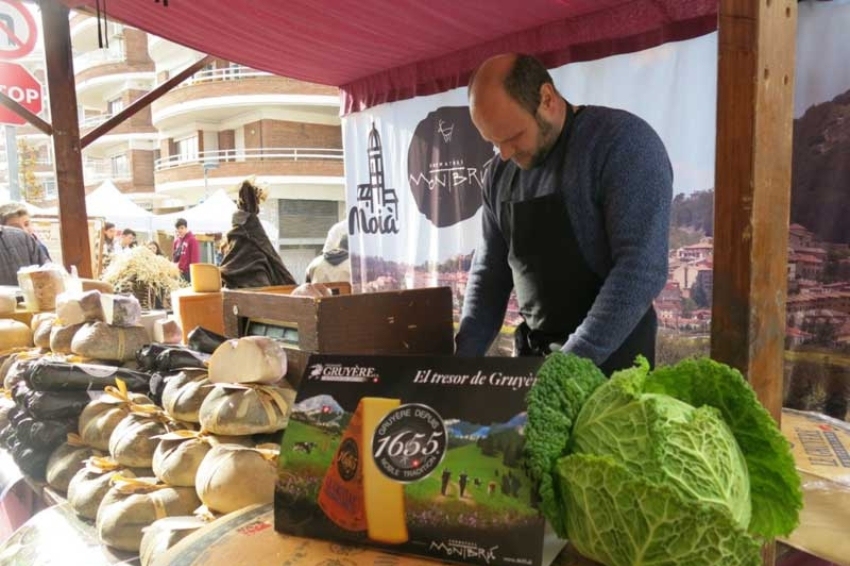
(206, 277)
(121, 310)
(355, 494)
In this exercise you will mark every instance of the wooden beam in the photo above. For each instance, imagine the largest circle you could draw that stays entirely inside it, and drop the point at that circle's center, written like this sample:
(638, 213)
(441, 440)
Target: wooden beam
(66, 137)
(145, 100)
(755, 93)
(33, 119)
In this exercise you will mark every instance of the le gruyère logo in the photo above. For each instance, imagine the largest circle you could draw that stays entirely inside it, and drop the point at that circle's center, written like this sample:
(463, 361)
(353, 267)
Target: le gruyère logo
(444, 163)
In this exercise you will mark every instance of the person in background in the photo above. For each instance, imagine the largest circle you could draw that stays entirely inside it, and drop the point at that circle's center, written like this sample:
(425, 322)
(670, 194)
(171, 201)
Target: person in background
(17, 249)
(110, 246)
(109, 238)
(332, 266)
(575, 218)
(16, 215)
(128, 239)
(186, 249)
(154, 247)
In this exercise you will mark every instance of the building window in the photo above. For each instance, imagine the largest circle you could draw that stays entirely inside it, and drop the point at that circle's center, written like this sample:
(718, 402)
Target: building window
(115, 106)
(119, 165)
(186, 149)
(50, 191)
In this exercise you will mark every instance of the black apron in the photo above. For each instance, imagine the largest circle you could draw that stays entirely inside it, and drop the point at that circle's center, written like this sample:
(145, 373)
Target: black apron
(554, 285)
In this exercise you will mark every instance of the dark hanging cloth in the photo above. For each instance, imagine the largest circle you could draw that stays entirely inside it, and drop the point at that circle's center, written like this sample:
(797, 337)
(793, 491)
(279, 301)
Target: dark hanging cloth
(251, 260)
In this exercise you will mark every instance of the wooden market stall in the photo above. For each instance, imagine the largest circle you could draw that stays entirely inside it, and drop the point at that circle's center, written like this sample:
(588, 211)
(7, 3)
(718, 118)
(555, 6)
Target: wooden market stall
(313, 41)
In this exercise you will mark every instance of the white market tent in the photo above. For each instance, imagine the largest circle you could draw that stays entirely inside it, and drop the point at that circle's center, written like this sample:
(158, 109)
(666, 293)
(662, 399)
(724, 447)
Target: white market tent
(109, 203)
(213, 215)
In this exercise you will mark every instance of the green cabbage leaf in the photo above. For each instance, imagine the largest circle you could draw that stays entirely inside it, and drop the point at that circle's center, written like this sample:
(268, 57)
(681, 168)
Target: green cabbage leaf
(680, 465)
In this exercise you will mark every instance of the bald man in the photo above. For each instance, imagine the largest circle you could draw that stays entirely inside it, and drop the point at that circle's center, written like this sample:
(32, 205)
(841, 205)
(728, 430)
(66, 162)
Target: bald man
(576, 218)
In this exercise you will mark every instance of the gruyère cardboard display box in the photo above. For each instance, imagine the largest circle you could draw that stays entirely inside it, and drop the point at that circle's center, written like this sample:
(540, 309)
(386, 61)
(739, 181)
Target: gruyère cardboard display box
(417, 455)
(247, 538)
(821, 448)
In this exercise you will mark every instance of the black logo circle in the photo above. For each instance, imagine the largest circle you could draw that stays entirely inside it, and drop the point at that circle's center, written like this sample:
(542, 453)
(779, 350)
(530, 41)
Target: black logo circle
(409, 443)
(445, 164)
(348, 459)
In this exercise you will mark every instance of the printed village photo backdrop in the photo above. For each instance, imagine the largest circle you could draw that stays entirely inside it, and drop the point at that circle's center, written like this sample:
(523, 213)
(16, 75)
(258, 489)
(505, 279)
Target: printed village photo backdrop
(413, 180)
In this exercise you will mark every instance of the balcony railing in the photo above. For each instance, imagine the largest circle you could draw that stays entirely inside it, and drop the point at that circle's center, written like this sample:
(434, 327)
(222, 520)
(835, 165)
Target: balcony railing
(96, 171)
(235, 155)
(224, 74)
(98, 57)
(94, 121)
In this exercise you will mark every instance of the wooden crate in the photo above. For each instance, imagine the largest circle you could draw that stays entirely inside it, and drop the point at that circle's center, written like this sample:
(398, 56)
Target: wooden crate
(415, 321)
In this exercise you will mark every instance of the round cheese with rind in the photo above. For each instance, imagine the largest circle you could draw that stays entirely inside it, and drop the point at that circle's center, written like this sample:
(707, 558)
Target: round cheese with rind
(184, 393)
(132, 443)
(89, 485)
(100, 417)
(251, 359)
(64, 464)
(122, 517)
(164, 534)
(232, 477)
(14, 334)
(240, 410)
(8, 304)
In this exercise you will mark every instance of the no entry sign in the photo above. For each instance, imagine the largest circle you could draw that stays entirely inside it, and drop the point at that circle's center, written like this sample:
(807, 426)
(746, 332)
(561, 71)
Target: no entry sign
(17, 30)
(19, 85)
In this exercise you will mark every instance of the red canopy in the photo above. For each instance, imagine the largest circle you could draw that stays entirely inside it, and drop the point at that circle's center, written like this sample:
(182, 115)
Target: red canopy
(382, 50)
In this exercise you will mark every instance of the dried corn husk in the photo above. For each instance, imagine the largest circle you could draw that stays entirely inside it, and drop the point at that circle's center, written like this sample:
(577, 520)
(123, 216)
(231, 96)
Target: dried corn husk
(100, 417)
(89, 485)
(243, 409)
(133, 441)
(184, 394)
(232, 477)
(132, 504)
(66, 461)
(141, 268)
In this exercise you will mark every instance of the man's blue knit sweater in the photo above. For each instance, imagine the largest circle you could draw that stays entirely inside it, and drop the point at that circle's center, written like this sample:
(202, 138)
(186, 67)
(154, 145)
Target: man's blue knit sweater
(617, 184)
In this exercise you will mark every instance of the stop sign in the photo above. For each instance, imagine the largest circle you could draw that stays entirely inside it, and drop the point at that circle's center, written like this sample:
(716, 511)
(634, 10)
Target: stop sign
(18, 84)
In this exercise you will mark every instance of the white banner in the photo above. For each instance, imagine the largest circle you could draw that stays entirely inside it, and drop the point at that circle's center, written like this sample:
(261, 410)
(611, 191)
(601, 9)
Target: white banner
(413, 168)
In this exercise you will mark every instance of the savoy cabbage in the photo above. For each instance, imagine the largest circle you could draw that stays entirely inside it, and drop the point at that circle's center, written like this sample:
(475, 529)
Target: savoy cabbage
(677, 466)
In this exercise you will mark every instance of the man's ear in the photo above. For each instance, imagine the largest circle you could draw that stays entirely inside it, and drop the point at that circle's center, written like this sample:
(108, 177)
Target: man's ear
(547, 96)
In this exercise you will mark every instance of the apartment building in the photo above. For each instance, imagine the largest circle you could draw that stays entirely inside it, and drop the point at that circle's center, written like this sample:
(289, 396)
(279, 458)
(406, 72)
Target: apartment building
(225, 123)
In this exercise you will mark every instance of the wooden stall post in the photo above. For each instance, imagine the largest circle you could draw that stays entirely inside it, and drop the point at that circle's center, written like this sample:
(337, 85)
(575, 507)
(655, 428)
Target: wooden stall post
(66, 136)
(755, 93)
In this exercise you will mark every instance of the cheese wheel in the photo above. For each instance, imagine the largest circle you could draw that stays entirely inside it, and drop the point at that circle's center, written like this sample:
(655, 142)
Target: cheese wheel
(206, 277)
(14, 334)
(88, 487)
(42, 327)
(65, 462)
(8, 304)
(121, 310)
(122, 516)
(232, 477)
(164, 534)
(61, 337)
(252, 359)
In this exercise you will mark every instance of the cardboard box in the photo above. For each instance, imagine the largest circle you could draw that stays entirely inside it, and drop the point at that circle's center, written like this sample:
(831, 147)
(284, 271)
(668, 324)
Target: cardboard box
(247, 538)
(417, 455)
(821, 447)
(193, 309)
(415, 321)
